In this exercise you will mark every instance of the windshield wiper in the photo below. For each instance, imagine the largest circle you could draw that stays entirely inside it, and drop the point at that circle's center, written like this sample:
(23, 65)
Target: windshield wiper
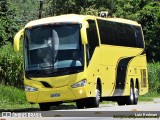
(64, 71)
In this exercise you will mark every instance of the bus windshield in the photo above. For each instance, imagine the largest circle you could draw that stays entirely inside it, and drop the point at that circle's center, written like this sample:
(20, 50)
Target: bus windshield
(53, 50)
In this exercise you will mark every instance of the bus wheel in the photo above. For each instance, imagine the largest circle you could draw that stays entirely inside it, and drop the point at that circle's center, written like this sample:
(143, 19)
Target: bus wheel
(44, 106)
(130, 98)
(136, 95)
(94, 101)
(80, 104)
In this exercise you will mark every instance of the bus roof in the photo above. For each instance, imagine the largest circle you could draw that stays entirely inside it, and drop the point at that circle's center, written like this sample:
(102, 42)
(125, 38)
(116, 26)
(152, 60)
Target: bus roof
(75, 19)
(121, 20)
(58, 19)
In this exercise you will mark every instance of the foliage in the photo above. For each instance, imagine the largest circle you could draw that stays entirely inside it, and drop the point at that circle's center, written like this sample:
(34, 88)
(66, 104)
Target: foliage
(154, 82)
(11, 66)
(7, 23)
(91, 7)
(153, 76)
(11, 95)
(149, 17)
(25, 10)
(14, 98)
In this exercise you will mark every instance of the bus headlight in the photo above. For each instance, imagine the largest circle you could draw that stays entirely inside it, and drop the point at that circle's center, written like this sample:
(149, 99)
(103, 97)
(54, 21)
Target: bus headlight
(79, 84)
(30, 89)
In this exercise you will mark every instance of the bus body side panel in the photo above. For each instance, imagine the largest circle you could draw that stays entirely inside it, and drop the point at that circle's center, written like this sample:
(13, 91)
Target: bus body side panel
(93, 72)
(137, 71)
(115, 63)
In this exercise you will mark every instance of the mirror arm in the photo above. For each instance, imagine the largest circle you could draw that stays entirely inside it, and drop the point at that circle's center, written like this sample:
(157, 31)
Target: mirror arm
(85, 25)
(17, 39)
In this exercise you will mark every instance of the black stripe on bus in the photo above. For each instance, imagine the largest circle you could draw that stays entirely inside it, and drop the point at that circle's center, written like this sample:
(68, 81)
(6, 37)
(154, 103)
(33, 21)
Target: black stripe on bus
(144, 52)
(121, 76)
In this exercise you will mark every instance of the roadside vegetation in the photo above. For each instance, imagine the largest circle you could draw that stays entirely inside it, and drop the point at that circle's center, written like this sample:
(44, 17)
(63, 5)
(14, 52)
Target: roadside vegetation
(14, 14)
(11, 66)
(154, 82)
(13, 98)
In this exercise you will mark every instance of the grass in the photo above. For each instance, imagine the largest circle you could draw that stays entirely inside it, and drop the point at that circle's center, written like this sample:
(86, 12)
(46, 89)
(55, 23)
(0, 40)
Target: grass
(9, 94)
(145, 99)
(13, 98)
(149, 97)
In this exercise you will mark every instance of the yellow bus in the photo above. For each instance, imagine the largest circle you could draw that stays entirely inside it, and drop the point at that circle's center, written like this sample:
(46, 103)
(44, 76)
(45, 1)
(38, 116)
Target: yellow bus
(85, 59)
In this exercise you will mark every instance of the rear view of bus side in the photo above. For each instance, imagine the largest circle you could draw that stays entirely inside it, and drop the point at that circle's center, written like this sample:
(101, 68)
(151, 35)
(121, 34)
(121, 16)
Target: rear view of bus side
(85, 59)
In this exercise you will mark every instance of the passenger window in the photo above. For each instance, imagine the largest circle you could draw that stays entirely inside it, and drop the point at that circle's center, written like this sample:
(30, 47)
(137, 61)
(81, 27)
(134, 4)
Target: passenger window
(120, 34)
(139, 37)
(108, 32)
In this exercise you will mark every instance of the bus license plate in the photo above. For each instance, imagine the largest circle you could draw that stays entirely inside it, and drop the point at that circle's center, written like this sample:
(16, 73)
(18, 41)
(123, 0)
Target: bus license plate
(55, 95)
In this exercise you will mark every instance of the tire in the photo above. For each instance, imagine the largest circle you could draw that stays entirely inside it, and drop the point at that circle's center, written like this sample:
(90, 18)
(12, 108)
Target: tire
(130, 98)
(44, 106)
(80, 104)
(94, 101)
(136, 94)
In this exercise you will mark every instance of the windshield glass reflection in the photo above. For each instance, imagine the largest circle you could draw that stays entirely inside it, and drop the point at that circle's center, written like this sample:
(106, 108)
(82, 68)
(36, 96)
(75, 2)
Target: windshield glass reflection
(53, 49)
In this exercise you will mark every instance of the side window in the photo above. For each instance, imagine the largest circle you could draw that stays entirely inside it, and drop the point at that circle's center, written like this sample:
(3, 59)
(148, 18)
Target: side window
(92, 35)
(139, 37)
(130, 34)
(108, 32)
(112, 34)
(126, 35)
(120, 34)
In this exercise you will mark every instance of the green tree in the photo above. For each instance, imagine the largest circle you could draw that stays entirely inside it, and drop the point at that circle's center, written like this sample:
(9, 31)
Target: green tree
(149, 18)
(7, 22)
(58, 7)
(25, 10)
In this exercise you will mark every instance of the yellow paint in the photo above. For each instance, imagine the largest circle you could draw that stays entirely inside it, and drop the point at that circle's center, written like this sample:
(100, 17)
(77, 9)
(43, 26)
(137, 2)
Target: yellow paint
(17, 39)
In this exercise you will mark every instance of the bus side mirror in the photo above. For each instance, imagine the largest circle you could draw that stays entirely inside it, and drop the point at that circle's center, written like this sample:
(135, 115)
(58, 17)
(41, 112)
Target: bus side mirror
(85, 25)
(17, 38)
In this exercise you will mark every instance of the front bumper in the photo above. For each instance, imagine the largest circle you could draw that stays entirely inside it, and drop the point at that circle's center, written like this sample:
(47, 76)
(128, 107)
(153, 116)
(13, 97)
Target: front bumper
(65, 93)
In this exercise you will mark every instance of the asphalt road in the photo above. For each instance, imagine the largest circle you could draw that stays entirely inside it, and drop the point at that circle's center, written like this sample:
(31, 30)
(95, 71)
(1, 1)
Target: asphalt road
(149, 110)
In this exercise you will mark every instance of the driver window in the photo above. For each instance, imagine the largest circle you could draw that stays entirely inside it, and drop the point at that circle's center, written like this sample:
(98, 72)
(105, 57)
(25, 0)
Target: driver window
(92, 36)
